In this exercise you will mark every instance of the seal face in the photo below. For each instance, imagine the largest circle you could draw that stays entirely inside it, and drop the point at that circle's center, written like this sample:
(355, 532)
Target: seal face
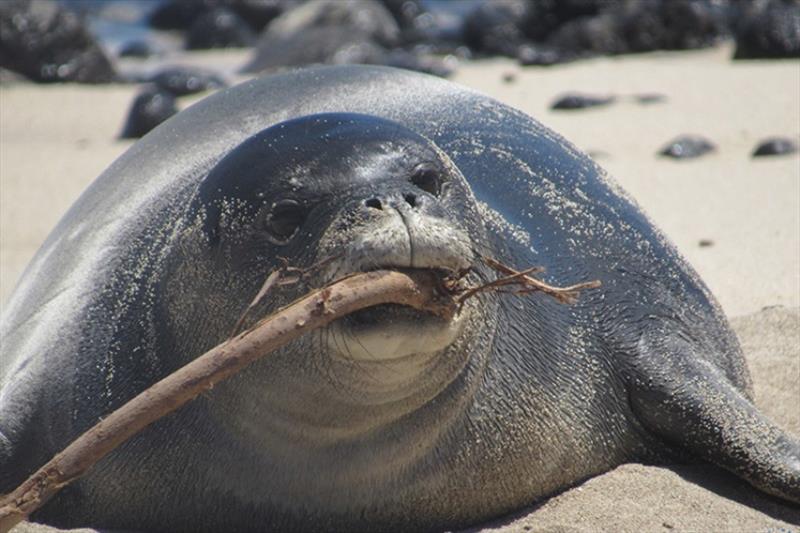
(358, 193)
(389, 419)
(351, 193)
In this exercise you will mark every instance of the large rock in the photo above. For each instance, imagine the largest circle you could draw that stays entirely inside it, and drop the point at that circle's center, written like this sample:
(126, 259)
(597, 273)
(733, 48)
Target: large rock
(553, 31)
(327, 31)
(151, 107)
(418, 24)
(768, 29)
(643, 26)
(546, 16)
(496, 27)
(219, 28)
(181, 14)
(48, 43)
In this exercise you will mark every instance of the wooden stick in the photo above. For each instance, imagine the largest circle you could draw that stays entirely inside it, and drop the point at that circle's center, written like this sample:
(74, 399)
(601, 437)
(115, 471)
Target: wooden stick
(278, 277)
(417, 290)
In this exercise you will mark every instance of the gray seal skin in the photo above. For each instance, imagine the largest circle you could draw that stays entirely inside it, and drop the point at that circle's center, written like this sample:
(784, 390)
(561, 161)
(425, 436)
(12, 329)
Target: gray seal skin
(388, 419)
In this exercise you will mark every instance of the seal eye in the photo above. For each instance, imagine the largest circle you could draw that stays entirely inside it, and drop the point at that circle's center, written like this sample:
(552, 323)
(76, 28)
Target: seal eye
(283, 221)
(428, 179)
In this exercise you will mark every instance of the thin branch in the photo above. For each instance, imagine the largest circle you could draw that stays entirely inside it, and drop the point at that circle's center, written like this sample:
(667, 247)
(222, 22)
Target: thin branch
(416, 289)
(565, 295)
(420, 289)
(516, 278)
(278, 277)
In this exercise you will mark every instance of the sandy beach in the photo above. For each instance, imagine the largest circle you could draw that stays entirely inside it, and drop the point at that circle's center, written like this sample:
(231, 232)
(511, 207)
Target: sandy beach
(54, 140)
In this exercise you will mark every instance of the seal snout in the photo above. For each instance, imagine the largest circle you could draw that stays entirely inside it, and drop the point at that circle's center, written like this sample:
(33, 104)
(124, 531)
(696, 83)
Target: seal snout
(397, 229)
(380, 203)
(402, 230)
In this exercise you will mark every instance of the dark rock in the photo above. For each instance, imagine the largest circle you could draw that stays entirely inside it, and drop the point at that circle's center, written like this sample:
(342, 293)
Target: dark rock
(259, 13)
(181, 14)
(496, 27)
(585, 29)
(367, 17)
(329, 45)
(219, 28)
(180, 81)
(420, 25)
(333, 46)
(775, 146)
(580, 101)
(140, 49)
(685, 24)
(589, 37)
(47, 43)
(177, 14)
(645, 25)
(546, 16)
(768, 29)
(705, 243)
(151, 107)
(546, 32)
(333, 32)
(687, 147)
(509, 77)
(405, 12)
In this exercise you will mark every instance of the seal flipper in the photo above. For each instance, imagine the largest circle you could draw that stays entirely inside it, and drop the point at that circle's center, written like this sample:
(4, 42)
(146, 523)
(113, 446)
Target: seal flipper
(688, 401)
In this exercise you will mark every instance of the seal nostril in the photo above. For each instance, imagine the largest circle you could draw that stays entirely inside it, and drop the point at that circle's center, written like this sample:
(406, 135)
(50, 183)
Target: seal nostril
(374, 203)
(411, 199)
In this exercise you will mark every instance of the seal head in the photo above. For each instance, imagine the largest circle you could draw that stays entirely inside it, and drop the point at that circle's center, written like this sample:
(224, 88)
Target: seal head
(347, 193)
(355, 193)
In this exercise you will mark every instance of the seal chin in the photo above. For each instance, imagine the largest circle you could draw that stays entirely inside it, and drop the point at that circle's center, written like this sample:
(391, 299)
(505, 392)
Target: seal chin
(391, 332)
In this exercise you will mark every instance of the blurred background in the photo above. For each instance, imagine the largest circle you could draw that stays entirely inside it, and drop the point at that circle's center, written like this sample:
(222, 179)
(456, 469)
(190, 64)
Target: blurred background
(693, 106)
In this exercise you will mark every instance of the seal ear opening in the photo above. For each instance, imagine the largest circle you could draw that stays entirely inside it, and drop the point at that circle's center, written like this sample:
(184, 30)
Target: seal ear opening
(688, 402)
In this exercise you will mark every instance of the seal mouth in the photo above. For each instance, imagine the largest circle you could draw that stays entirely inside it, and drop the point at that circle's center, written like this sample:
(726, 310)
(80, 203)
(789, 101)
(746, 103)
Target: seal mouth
(386, 314)
(395, 332)
(383, 315)
(391, 332)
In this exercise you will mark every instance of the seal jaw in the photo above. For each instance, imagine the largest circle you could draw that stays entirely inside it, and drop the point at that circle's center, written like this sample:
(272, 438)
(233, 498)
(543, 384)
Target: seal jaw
(393, 332)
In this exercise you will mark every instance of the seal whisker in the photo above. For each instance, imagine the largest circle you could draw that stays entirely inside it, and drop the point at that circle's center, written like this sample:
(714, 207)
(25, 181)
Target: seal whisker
(375, 359)
(352, 364)
(359, 364)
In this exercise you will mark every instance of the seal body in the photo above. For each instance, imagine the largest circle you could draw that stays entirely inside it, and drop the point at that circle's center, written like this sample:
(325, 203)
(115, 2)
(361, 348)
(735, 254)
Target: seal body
(388, 419)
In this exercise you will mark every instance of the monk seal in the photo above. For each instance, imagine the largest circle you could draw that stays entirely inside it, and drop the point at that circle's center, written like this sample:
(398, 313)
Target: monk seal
(389, 419)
